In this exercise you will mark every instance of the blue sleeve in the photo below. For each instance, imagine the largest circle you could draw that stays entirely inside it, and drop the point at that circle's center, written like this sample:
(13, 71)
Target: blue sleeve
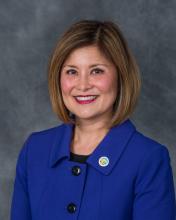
(154, 188)
(20, 206)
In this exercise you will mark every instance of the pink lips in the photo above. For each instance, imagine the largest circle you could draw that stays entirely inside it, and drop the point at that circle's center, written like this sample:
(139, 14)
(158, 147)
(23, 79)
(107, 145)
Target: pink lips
(85, 101)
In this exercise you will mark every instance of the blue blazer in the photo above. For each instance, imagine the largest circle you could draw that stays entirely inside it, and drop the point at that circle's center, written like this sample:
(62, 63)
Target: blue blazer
(127, 177)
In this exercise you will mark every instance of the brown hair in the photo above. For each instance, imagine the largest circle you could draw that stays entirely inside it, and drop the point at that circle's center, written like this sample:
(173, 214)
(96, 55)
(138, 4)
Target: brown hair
(107, 36)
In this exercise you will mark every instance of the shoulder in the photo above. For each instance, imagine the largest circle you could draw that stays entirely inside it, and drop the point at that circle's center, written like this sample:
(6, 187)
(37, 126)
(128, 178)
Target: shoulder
(48, 131)
(146, 144)
(145, 148)
(46, 135)
(39, 143)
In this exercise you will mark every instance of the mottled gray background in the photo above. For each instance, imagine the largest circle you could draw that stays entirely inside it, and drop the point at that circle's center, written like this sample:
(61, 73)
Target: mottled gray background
(28, 33)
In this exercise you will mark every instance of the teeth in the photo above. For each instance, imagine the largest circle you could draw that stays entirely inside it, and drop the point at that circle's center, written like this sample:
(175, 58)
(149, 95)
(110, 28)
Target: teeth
(85, 98)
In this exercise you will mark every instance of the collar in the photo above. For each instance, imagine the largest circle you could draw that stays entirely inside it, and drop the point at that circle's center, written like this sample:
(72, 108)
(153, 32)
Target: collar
(112, 145)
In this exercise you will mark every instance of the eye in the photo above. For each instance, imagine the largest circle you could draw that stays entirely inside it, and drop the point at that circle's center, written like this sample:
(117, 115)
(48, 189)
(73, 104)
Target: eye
(97, 71)
(70, 71)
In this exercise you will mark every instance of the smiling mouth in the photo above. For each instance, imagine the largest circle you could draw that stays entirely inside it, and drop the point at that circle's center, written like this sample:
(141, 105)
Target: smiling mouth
(85, 99)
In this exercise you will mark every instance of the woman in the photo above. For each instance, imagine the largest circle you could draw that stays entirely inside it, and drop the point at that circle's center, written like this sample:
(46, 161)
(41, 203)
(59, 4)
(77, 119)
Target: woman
(95, 165)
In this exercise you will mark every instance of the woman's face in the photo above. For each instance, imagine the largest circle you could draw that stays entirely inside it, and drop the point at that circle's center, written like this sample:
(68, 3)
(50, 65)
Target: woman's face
(89, 84)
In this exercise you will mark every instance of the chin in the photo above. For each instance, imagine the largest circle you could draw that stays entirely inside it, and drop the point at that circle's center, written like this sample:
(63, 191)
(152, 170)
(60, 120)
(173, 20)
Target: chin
(86, 116)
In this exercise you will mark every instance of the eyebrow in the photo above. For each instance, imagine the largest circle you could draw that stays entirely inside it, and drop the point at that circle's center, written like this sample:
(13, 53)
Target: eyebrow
(93, 65)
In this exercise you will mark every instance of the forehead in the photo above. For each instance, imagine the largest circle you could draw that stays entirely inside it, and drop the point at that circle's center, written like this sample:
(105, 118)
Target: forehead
(88, 54)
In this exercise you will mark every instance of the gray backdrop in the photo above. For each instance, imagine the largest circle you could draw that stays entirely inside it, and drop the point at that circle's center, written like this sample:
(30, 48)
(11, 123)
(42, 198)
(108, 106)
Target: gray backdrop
(28, 33)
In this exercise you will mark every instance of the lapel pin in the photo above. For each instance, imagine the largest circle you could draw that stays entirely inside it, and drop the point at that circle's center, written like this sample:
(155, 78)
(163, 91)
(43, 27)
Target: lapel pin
(103, 161)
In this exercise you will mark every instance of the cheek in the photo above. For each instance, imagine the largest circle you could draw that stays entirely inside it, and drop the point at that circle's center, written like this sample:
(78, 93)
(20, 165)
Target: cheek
(107, 84)
(66, 85)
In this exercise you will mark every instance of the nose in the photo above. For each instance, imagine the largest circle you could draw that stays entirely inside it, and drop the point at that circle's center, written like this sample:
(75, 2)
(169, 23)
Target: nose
(84, 82)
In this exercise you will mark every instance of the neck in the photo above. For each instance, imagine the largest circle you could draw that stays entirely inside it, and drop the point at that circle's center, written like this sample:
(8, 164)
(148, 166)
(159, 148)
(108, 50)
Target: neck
(90, 129)
(88, 136)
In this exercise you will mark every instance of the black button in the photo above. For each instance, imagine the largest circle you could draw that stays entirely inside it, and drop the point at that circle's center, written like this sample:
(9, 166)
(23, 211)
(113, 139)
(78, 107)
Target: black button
(76, 170)
(71, 208)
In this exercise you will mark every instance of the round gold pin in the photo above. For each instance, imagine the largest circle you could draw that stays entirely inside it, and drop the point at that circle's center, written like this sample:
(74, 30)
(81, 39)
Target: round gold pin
(103, 161)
